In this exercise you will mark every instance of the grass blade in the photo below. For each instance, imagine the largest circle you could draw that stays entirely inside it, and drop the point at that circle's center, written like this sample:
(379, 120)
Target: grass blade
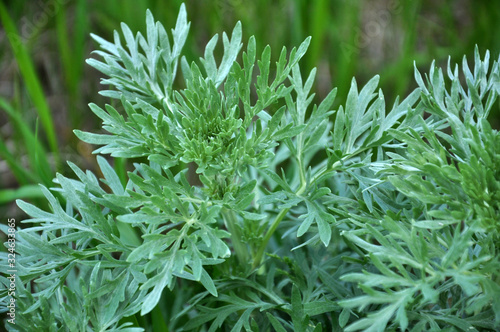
(36, 152)
(30, 80)
(24, 192)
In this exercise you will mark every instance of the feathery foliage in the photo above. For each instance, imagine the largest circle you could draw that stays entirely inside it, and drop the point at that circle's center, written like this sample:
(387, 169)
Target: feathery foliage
(248, 208)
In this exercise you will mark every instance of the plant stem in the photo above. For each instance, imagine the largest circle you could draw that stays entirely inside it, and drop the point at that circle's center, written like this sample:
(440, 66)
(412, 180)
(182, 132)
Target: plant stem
(195, 200)
(282, 214)
(277, 221)
(267, 237)
(240, 248)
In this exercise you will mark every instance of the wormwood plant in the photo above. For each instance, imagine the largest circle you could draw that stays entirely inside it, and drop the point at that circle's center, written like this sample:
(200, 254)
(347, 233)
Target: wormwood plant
(249, 208)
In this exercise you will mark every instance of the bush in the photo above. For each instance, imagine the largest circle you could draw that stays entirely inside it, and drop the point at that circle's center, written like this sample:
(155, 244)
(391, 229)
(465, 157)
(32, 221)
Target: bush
(249, 208)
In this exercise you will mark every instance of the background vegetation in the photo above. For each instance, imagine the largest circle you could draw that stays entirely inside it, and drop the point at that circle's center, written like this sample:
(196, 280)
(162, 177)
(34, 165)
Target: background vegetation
(45, 85)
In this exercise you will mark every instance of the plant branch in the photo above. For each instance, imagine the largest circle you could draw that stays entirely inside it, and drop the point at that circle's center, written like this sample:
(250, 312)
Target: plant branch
(267, 237)
(240, 248)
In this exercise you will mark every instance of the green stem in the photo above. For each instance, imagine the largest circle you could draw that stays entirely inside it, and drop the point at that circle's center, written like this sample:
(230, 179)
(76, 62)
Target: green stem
(325, 171)
(336, 164)
(240, 248)
(267, 237)
(195, 200)
(303, 181)
(303, 184)
(280, 216)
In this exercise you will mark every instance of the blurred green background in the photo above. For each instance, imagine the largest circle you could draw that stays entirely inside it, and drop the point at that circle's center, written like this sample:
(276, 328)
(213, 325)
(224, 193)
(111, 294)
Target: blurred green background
(45, 85)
